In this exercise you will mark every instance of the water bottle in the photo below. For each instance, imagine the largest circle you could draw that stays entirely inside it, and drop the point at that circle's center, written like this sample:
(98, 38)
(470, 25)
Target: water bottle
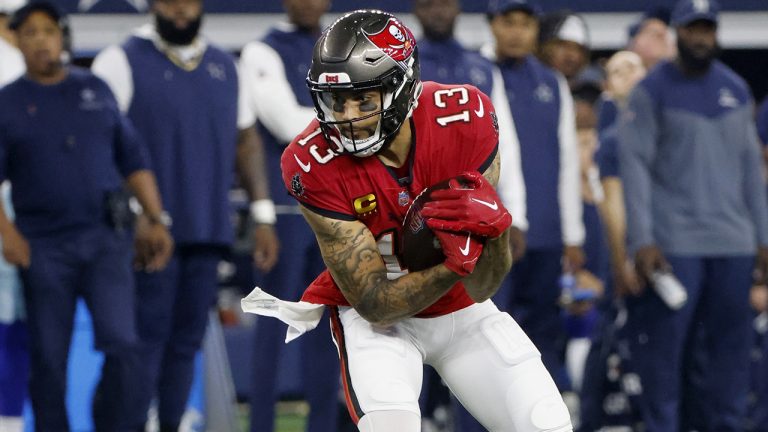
(669, 289)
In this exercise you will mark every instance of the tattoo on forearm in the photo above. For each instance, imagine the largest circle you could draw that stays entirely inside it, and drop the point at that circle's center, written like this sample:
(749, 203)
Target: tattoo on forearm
(351, 254)
(493, 172)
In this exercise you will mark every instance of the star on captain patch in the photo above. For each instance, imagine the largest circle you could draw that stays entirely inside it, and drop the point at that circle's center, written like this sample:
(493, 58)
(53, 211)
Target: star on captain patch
(403, 198)
(297, 188)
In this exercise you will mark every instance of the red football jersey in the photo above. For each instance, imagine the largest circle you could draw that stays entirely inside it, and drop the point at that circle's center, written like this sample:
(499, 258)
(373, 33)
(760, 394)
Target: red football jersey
(455, 130)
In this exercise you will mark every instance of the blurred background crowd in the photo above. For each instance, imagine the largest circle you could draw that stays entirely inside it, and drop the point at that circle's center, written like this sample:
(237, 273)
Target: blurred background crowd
(142, 198)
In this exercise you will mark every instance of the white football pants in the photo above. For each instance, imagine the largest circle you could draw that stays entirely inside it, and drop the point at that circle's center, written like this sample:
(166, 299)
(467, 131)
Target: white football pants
(481, 353)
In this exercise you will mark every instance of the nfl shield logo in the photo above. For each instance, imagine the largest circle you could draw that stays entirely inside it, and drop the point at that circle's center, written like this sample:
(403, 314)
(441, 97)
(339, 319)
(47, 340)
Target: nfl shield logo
(403, 198)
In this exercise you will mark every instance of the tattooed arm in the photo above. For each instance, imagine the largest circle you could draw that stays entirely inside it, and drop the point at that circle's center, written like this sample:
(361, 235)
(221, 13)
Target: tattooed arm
(351, 254)
(496, 259)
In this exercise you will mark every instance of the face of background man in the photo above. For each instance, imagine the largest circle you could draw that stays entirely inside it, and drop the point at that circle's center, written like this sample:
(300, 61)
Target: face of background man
(515, 33)
(178, 21)
(653, 42)
(306, 14)
(437, 17)
(697, 45)
(568, 57)
(41, 42)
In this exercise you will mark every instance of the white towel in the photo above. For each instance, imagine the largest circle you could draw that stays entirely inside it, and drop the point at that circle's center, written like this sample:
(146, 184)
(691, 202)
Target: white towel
(301, 317)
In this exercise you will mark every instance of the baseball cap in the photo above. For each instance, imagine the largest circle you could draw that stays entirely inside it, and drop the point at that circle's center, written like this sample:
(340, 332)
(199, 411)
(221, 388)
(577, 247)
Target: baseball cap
(500, 7)
(688, 11)
(8, 7)
(566, 26)
(659, 13)
(21, 15)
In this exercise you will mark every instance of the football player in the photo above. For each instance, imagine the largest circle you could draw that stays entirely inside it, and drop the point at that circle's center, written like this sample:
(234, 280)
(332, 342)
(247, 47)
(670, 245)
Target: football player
(381, 137)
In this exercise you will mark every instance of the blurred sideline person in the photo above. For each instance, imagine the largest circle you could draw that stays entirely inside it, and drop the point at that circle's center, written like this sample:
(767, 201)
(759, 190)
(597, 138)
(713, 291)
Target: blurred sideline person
(696, 206)
(14, 358)
(182, 94)
(442, 57)
(653, 41)
(585, 94)
(564, 43)
(379, 139)
(758, 411)
(651, 37)
(71, 236)
(623, 70)
(542, 108)
(274, 73)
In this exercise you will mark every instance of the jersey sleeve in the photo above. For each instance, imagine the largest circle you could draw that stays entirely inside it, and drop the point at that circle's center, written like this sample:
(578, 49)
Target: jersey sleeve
(480, 135)
(457, 125)
(313, 177)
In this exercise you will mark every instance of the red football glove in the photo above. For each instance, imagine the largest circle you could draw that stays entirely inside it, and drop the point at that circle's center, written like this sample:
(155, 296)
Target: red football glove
(474, 207)
(461, 250)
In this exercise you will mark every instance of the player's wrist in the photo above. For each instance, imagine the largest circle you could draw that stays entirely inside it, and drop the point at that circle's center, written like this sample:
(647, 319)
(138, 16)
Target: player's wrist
(456, 268)
(263, 212)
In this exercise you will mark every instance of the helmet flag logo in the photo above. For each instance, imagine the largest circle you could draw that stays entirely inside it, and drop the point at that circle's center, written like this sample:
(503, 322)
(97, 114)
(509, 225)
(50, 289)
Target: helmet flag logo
(394, 40)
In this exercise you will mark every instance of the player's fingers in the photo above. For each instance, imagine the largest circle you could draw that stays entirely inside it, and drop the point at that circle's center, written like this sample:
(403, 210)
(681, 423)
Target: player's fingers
(139, 260)
(444, 225)
(264, 259)
(259, 259)
(447, 194)
(158, 261)
(270, 258)
(474, 178)
(444, 205)
(442, 212)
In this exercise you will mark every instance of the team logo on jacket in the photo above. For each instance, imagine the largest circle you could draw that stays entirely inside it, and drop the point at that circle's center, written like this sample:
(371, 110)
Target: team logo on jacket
(217, 71)
(727, 98)
(297, 188)
(394, 40)
(543, 93)
(88, 100)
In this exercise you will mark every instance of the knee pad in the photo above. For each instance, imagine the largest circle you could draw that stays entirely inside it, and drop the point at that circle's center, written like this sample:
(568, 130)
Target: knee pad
(551, 415)
(534, 403)
(390, 421)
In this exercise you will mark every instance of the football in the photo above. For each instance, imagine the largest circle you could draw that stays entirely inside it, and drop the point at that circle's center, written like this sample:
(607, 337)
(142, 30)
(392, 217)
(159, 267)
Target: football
(419, 247)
